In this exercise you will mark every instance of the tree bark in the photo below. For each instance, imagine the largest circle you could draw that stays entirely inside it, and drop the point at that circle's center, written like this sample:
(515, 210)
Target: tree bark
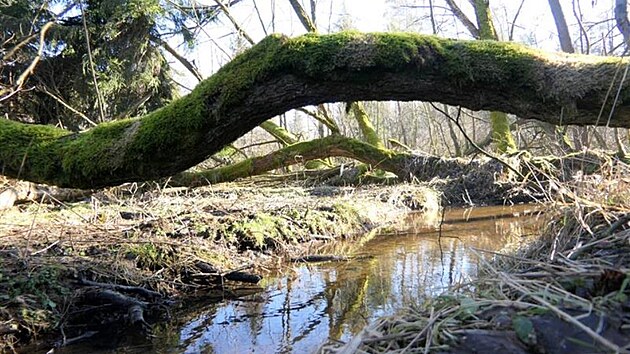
(365, 125)
(567, 46)
(474, 31)
(621, 17)
(301, 14)
(281, 73)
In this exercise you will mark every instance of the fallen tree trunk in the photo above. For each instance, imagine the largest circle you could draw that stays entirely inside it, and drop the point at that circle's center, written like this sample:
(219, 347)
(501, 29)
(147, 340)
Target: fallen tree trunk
(331, 146)
(282, 73)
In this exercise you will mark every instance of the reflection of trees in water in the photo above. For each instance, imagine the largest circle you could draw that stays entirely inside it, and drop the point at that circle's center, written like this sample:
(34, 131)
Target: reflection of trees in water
(200, 317)
(346, 299)
(300, 318)
(253, 310)
(338, 299)
(286, 315)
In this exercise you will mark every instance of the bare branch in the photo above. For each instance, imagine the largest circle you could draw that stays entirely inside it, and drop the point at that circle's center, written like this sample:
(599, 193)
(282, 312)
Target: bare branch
(301, 14)
(31, 68)
(518, 12)
(238, 27)
(188, 65)
(474, 31)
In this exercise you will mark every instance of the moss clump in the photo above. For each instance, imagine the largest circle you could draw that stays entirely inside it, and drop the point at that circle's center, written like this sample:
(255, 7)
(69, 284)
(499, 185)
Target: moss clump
(257, 231)
(491, 62)
(22, 142)
(151, 256)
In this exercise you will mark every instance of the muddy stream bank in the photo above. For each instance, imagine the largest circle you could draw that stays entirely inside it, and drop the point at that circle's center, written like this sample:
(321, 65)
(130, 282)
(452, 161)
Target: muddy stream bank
(301, 306)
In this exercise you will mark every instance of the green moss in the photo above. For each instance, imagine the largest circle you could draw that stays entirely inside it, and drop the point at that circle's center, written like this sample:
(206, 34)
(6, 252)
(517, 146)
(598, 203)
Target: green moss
(347, 214)
(484, 20)
(486, 61)
(501, 132)
(151, 256)
(400, 49)
(256, 231)
(369, 133)
(315, 54)
(103, 143)
(228, 84)
(285, 226)
(23, 142)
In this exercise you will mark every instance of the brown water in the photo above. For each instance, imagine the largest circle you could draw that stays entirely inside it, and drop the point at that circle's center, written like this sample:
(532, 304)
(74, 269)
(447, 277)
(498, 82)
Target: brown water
(301, 309)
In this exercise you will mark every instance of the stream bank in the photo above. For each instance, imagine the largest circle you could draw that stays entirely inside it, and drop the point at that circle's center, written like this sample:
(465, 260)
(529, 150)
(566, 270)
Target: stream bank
(120, 258)
(565, 292)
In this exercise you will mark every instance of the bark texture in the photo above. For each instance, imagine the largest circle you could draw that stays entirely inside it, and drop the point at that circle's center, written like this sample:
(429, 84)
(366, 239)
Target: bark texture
(281, 73)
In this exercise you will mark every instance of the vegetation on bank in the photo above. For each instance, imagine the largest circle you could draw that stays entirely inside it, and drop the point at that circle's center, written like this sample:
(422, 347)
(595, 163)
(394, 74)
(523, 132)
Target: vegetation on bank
(566, 291)
(112, 260)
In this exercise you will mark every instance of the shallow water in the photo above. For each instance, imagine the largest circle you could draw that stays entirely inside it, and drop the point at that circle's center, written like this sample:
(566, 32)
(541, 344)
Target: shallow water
(299, 310)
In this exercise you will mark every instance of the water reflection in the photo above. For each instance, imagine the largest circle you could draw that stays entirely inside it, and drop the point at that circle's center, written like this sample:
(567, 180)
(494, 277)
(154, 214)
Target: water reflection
(301, 310)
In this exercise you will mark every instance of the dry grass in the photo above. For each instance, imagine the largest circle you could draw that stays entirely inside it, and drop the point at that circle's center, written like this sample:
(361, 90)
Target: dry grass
(579, 267)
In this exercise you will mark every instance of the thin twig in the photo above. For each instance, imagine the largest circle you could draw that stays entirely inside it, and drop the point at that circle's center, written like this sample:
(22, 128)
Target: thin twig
(461, 129)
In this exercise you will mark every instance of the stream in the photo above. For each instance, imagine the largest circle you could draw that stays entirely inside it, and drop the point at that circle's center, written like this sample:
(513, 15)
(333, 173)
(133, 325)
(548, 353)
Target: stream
(300, 309)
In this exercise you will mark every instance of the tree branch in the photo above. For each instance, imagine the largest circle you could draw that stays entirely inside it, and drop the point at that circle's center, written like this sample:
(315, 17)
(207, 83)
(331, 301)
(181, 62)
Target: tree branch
(301, 14)
(331, 146)
(470, 26)
(227, 13)
(188, 65)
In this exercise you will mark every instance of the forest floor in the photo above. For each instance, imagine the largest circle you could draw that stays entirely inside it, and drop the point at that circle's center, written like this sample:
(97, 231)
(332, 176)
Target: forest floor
(568, 291)
(122, 255)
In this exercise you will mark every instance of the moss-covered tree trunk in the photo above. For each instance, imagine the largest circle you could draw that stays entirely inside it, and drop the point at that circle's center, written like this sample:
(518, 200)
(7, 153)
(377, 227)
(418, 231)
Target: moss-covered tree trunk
(282, 73)
(365, 125)
(331, 146)
(501, 133)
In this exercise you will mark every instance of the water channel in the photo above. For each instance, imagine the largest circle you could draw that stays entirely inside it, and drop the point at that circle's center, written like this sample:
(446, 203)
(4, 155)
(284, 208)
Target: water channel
(301, 308)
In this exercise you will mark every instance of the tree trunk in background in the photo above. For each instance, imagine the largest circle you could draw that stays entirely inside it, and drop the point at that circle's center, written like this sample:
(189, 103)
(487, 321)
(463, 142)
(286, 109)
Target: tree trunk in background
(561, 25)
(365, 125)
(283, 136)
(566, 44)
(331, 146)
(501, 133)
(623, 24)
(280, 73)
(303, 16)
(621, 17)
(470, 26)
